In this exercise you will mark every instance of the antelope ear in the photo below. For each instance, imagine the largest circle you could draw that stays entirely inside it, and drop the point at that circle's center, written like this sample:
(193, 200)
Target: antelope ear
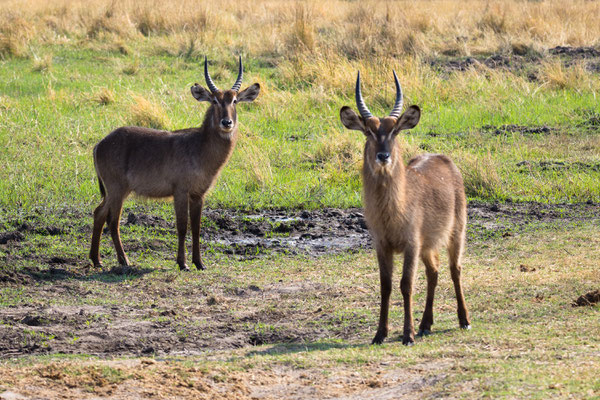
(351, 120)
(249, 94)
(409, 119)
(200, 93)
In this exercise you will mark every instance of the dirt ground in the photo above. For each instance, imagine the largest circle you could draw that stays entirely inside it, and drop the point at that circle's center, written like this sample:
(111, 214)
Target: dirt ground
(68, 310)
(149, 378)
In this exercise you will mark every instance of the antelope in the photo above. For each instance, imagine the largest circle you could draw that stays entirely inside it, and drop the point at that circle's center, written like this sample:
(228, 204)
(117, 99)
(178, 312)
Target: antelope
(414, 209)
(183, 164)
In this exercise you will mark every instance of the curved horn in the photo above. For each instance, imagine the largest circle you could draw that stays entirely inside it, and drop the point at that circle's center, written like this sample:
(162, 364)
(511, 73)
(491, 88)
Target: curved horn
(360, 103)
(213, 88)
(238, 83)
(399, 99)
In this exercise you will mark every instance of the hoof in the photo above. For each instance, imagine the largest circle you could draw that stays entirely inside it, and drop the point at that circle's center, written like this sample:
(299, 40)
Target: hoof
(408, 340)
(378, 339)
(183, 267)
(466, 327)
(199, 266)
(423, 332)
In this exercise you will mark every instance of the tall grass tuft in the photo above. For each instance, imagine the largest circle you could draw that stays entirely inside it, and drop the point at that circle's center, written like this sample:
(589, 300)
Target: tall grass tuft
(104, 96)
(480, 175)
(576, 76)
(132, 68)
(147, 114)
(15, 34)
(257, 165)
(42, 64)
(302, 35)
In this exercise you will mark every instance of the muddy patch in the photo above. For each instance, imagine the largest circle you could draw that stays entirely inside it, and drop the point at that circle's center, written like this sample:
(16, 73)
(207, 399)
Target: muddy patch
(522, 60)
(555, 165)
(575, 52)
(588, 299)
(511, 62)
(13, 236)
(252, 234)
(247, 235)
(328, 231)
(524, 130)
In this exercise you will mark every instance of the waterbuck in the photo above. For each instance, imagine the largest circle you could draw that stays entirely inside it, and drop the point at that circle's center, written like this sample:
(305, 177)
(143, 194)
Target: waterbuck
(414, 209)
(183, 164)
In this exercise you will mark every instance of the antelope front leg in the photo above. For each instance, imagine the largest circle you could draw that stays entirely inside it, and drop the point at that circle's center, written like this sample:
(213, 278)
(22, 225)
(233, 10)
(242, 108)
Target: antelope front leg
(411, 258)
(385, 257)
(180, 201)
(195, 217)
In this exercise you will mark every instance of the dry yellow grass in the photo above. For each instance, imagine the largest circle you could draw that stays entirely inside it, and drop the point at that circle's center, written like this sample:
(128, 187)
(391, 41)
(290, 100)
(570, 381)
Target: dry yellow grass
(352, 29)
(577, 77)
(258, 165)
(42, 64)
(480, 174)
(320, 43)
(148, 114)
(104, 96)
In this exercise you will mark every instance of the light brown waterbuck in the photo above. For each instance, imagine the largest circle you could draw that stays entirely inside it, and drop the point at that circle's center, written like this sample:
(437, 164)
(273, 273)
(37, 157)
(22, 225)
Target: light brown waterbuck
(183, 164)
(414, 209)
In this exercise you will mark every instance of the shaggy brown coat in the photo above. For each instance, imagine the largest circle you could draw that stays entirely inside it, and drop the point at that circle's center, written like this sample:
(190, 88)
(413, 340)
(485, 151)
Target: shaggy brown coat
(152, 163)
(415, 209)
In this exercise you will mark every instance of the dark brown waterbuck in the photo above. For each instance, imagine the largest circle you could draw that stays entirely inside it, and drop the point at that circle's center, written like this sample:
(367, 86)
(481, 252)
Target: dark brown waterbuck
(183, 164)
(414, 209)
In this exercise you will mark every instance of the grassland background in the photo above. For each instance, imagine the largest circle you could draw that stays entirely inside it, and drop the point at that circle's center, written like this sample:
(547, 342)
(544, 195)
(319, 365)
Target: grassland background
(71, 71)
(522, 123)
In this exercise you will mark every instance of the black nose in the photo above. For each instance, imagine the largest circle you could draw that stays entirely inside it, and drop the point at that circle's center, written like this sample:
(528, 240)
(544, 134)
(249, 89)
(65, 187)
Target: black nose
(383, 157)
(226, 122)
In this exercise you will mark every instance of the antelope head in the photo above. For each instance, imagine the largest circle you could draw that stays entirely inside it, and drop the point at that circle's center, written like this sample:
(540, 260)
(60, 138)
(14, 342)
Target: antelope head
(222, 114)
(380, 132)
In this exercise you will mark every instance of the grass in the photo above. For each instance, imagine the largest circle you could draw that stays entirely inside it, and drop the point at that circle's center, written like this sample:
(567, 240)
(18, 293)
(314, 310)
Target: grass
(81, 73)
(294, 161)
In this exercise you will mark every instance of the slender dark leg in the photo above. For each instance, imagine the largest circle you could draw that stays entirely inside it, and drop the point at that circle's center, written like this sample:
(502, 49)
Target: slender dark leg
(196, 217)
(411, 257)
(432, 261)
(180, 201)
(116, 206)
(100, 216)
(385, 257)
(454, 254)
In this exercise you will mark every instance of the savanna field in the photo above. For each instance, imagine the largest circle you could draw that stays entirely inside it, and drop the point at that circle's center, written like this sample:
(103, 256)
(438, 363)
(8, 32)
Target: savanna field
(289, 302)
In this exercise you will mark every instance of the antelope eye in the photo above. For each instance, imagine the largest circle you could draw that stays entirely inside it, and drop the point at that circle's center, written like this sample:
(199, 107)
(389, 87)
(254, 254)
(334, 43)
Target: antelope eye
(215, 101)
(234, 101)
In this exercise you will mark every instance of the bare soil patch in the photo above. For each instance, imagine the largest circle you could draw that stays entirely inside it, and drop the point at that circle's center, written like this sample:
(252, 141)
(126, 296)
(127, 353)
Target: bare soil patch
(149, 378)
(67, 306)
(521, 60)
(159, 319)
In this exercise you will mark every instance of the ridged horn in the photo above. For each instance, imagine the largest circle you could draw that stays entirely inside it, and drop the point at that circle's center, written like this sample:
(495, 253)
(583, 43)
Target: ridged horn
(211, 86)
(399, 99)
(238, 83)
(360, 103)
